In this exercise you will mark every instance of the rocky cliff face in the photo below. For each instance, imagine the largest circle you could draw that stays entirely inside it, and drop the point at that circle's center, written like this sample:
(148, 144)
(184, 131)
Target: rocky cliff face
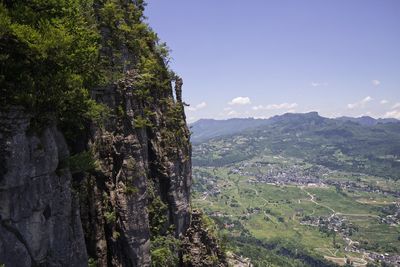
(123, 197)
(40, 222)
(143, 176)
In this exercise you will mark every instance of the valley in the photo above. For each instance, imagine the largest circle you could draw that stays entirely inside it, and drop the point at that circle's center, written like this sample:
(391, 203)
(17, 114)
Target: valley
(292, 211)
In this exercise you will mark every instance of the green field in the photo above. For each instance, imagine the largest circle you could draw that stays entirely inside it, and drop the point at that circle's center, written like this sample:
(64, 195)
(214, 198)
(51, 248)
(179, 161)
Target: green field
(274, 213)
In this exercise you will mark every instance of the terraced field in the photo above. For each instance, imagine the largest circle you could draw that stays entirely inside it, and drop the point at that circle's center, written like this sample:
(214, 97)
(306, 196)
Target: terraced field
(329, 222)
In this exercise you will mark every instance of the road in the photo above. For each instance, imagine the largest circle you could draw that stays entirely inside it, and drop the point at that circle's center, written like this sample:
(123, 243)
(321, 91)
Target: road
(316, 203)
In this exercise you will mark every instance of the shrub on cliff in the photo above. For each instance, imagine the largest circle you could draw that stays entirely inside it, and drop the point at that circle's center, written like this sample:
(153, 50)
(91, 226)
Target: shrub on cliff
(164, 251)
(48, 58)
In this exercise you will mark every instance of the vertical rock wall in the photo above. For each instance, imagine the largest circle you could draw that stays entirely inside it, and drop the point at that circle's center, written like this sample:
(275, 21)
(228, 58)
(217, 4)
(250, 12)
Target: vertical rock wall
(135, 165)
(39, 215)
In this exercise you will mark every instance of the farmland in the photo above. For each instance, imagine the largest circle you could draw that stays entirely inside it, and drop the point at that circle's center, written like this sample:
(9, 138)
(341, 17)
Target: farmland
(307, 206)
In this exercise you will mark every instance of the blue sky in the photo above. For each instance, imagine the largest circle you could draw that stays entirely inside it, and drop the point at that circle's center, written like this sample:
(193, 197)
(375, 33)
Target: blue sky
(260, 58)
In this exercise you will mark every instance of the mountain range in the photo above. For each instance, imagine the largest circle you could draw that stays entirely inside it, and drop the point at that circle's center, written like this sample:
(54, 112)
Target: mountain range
(360, 145)
(205, 129)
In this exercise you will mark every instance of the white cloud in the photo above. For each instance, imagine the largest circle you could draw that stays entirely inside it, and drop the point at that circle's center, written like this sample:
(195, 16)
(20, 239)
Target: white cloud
(367, 99)
(259, 107)
(197, 107)
(397, 105)
(191, 119)
(360, 104)
(376, 82)
(240, 101)
(334, 115)
(232, 113)
(317, 84)
(288, 106)
(201, 105)
(393, 114)
(384, 101)
(229, 112)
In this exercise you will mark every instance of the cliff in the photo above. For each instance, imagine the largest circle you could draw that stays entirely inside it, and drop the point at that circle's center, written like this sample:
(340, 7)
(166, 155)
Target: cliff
(142, 178)
(95, 152)
(40, 222)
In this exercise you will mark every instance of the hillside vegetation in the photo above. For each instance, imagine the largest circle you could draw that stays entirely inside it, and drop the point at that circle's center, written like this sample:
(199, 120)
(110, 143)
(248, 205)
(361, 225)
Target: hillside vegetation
(338, 144)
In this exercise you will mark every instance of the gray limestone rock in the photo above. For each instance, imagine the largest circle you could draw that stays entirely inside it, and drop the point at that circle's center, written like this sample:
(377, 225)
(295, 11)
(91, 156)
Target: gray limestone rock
(40, 222)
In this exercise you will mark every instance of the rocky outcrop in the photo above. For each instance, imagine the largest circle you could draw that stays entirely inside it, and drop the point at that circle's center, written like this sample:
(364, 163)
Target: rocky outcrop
(39, 215)
(200, 244)
(137, 162)
(238, 261)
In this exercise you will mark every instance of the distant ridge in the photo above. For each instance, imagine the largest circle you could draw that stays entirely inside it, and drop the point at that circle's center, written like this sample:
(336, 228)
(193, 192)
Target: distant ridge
(367, 121)
(205, 129)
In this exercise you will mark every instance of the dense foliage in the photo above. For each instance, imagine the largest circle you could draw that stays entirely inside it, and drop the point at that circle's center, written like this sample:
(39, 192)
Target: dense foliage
(52, 53)
(48, 58)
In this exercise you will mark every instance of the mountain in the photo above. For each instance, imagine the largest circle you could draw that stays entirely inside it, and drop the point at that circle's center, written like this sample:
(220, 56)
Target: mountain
(205, 129)
(95, 158)
(334, 143)
(367, 121)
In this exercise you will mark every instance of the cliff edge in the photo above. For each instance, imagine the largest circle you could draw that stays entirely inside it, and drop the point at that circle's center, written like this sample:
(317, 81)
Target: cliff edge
(95, 153)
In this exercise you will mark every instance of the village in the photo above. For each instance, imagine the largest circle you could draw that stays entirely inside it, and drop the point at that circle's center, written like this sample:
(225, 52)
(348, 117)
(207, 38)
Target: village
(392, 214)
(294, 175)
(317, 176)
(332, 223)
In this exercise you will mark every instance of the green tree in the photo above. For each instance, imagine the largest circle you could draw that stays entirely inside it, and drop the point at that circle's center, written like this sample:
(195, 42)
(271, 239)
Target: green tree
(48, 57)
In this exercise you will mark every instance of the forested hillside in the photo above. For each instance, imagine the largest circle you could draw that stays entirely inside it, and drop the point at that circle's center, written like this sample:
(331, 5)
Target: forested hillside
(334, 143)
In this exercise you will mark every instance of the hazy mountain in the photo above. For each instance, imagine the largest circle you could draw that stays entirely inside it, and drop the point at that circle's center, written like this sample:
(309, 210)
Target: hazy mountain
(205, 129)
(367, 121)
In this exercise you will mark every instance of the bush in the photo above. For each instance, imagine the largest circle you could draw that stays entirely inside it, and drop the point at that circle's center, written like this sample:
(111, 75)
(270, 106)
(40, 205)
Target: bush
(110, 216)
(91, 262)
(164, 251)
(140, 122)
(130, 190)
(157, 216)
